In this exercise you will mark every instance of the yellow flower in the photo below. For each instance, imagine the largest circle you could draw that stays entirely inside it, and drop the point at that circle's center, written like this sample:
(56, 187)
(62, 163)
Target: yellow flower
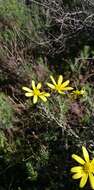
(35, 92)
(85, 170)
(59, 86)
(79, 92)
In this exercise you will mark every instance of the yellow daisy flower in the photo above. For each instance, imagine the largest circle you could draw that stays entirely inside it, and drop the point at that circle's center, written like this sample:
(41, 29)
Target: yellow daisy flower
(35, 92)
(59, 86)
(85, 170)
(79, 92)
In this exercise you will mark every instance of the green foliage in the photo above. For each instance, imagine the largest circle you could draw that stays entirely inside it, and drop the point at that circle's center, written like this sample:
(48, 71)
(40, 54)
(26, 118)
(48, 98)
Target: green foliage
(13, 13)
(56, 109)
(6, 112)
(13, 17)
(39, 19)
(19, 22)
(3, 140)
(6, 149)
(85, 53)
(32, 174)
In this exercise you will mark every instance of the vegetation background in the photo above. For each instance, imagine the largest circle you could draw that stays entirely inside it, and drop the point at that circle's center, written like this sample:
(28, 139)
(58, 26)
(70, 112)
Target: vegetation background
(39, 38)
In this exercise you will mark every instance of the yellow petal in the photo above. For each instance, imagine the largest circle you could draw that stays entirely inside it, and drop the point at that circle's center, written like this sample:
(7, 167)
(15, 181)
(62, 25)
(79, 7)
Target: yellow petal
(28, 94)
(67, 88)
(65, 83)
(26, 89)
(35, 99)
(46, 94)
(53, 80)
(39, 85)
(60, 79)
(92, 162)
(33, 84)
(83, 180)
(91, 179)
(76, 92)
(77, 175)
(78, 159)
(76, 169)
(92, 167)
(43, 98)
(60, 92)
(85, 154)
(51, 86)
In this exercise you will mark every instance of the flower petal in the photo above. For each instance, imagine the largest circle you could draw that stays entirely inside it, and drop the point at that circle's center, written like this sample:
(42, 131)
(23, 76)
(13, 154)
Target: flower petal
(77, 175)
(76, 169)
(60, 92)
(83, 180)
(85, 154)
(35, 99)
(28, 94)
(46, 94)
(78, 159)
(43, 98)
(51, 85)
(53, 80)
(91, 179)
(67, 88)
(65, 83)
(33, 84)
(60, 79)
(39, 85)
(26, 89)
(92, 162)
